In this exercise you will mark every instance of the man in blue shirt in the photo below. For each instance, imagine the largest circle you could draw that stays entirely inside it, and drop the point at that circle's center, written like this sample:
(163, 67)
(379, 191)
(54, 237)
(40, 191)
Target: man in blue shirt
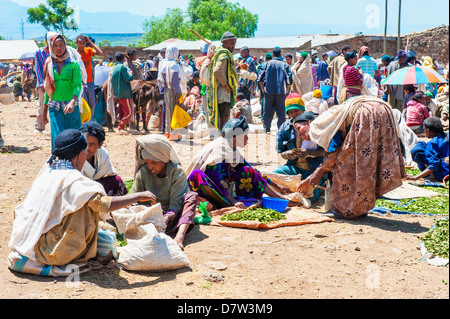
(322, 72)
(275, 78)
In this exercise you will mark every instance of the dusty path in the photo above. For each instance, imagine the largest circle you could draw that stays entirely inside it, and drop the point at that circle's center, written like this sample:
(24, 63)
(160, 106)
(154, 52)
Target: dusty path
(373, 257)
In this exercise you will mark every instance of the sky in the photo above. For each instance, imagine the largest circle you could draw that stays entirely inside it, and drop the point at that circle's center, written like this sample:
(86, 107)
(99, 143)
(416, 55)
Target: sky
(364, 13)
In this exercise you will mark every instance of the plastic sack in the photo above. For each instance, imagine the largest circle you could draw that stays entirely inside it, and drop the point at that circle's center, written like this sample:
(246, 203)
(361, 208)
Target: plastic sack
(205, 73)
(148, 247)
(180, 118)
(6, 98)
(86, 112)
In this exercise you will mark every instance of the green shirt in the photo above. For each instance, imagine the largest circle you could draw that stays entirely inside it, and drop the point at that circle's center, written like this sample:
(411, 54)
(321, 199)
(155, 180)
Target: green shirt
(121, 78)
(169, 190)
(17, 86)
(68, 83)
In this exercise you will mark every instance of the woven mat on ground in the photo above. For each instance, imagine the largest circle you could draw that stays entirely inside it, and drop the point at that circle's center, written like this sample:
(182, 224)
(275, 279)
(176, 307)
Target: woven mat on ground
(295, 216)
(407, 190)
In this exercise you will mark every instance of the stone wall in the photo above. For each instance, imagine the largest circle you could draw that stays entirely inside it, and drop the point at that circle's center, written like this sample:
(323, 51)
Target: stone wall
(433, 42)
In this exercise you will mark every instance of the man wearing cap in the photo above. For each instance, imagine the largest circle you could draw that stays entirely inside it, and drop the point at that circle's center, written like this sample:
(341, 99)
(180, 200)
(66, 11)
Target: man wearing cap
(224, 81)
(275, 78)
(303, 156)
(395, 92)
(58, 223)
(334, 69)
(247, 86)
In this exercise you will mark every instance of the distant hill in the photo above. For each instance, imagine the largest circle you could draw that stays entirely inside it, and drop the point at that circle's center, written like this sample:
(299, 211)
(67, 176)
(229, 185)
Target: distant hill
(13, 14)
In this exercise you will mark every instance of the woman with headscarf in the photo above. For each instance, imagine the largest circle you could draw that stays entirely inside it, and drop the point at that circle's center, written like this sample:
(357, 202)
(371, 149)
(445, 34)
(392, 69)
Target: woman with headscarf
(158, 170)
(98, 166)
(62, 83)
(171, 77)
(302, 75)
(363, 152)
(432, 157)
(220, 174)
(58, 223)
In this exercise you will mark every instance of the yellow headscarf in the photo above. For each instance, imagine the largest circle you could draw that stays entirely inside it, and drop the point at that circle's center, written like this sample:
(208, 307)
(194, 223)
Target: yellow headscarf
(428, 62)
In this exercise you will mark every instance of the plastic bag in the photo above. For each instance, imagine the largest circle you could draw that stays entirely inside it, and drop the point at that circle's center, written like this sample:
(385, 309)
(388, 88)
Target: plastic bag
(205, 73)
(148, 247)
(86, 112)
(180, 118)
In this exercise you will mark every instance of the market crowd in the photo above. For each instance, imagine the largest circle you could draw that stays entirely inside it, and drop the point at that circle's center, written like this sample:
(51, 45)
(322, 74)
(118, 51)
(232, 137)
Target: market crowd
(335, 122)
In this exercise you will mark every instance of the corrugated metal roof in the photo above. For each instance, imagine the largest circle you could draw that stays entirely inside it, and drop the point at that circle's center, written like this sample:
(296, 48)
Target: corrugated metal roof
(11, 50)
(252, 43)
(269, 42)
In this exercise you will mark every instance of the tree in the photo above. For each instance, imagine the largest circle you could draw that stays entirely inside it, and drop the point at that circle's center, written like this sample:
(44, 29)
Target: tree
(172, 25)
(210, 18)
(105, 43)
(57, 16)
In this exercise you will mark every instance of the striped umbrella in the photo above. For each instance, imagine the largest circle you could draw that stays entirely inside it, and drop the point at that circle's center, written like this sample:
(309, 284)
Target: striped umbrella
(414, 75)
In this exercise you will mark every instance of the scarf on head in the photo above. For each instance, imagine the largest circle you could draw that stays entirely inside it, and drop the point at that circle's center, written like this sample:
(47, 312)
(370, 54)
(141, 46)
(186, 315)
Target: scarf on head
(169, 66)
(362, 50)
(70, 53)
(156, 148)
(303, 77)
(428, 62)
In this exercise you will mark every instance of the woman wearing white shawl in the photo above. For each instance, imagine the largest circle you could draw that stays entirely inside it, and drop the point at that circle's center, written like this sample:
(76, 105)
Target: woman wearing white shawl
(98, 165)
(171, 77)
(158, 170)
(58, 223)
(364, 152)
(302, 75)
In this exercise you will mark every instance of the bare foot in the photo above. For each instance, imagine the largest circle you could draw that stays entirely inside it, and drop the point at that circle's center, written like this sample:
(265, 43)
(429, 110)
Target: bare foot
(179, 241)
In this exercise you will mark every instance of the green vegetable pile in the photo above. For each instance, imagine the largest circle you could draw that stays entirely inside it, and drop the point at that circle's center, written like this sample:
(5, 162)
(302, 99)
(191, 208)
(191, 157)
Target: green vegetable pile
(129, 184)
(262, 215)
(436, 240)
(422, 205)
(413, 171)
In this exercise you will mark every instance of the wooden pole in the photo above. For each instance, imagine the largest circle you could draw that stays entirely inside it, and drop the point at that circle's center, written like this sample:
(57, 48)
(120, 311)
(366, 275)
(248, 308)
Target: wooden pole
(385, 25)
(399, 40)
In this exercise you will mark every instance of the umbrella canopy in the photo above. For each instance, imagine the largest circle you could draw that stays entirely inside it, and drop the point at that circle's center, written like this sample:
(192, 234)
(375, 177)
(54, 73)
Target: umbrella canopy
(28, 56)
(2, 66)
(101, 74)
(331, 54)
(414, 75)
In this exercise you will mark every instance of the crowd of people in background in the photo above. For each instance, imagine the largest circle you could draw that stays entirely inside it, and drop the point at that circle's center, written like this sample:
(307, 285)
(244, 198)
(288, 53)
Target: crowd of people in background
(319, 109)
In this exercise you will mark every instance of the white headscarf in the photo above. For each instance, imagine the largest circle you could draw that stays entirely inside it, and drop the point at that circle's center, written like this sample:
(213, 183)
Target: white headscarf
(169, 66)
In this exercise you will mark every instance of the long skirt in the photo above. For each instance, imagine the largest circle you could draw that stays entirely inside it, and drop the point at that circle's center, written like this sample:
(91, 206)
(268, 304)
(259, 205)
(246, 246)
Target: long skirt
(185, 215)
(60, 121)
(113, 185)
(369, 163)
(214, 184)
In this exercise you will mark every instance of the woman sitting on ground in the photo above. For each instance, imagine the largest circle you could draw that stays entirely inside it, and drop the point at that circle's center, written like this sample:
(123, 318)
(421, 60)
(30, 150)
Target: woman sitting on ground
(158, 170)
(98, 166)
(221, 175)
(432, 157)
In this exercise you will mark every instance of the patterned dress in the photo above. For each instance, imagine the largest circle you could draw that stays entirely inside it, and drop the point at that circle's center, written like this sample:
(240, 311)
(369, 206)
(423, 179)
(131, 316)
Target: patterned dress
(216, 181)
(367, 163)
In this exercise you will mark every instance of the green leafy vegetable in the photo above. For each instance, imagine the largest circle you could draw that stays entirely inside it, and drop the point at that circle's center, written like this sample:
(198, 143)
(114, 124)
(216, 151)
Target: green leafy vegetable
(129, 184)
(423, 205)
(262, 215)
(436, 240)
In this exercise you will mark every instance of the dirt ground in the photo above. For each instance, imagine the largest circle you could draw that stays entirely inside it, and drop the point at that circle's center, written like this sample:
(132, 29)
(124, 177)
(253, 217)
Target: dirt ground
(376, 257)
